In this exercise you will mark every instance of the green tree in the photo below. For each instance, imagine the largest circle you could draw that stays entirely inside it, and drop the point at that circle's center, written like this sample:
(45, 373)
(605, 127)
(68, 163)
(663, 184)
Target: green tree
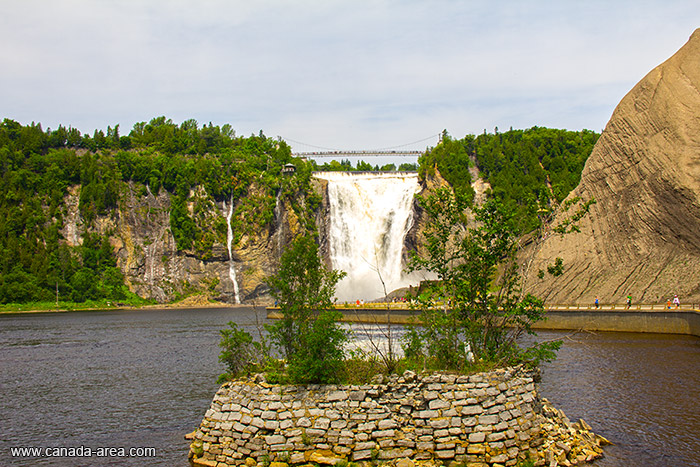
(363, 166)
(478, 284)
(309, 334)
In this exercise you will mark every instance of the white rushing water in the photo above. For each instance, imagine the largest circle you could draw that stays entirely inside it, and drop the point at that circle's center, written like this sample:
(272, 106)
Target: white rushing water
(370, 215)
(229, 241)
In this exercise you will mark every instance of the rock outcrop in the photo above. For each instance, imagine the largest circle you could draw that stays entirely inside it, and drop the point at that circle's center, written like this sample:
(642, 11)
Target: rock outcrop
(153, 266)
(642, 237)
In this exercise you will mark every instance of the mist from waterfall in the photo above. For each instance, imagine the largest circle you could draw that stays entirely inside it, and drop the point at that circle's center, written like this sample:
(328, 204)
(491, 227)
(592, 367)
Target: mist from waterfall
(370, 215)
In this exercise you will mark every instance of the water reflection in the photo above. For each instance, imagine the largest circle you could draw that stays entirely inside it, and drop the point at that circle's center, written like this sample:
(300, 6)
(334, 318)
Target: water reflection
(638, 390)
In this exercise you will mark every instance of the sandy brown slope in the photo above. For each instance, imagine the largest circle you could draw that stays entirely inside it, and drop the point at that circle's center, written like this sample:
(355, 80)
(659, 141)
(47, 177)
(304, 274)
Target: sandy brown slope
(643, 236)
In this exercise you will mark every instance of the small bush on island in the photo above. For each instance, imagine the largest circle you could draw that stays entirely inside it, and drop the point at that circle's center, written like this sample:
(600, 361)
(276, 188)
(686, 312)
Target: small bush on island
(240, 353)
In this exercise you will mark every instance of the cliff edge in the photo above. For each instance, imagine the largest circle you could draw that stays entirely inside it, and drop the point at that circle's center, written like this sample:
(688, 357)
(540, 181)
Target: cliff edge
(642, 237)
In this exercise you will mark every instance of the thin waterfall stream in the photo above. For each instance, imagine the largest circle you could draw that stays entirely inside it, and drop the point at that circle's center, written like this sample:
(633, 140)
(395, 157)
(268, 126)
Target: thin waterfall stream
(229, 241)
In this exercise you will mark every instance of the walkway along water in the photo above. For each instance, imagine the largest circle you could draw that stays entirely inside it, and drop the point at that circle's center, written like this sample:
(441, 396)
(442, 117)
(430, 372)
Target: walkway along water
(616, 318)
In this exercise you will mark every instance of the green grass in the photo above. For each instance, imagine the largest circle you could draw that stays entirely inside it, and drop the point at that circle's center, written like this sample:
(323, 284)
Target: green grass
(102, 304)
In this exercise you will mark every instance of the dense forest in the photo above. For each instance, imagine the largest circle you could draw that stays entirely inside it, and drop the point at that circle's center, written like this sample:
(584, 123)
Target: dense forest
(525, 169)
(38, 167)
(528, 170)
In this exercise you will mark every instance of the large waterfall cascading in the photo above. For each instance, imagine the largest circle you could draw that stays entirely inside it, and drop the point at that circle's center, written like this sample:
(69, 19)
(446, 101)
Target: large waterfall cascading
(229, 241)
(370, 215)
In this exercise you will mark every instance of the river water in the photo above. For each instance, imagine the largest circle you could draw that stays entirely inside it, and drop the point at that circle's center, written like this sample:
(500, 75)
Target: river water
(138, 379)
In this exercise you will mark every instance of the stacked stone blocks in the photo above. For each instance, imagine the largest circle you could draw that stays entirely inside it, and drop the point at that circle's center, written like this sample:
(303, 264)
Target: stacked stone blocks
(482, 419)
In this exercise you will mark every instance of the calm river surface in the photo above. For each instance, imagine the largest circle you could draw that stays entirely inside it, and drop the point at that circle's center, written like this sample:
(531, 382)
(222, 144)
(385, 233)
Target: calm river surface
(145, 378)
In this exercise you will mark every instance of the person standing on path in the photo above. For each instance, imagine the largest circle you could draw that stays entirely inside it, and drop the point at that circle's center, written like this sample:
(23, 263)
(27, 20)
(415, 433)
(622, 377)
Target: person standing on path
(596, 303)
(676, 301)
(629, 301)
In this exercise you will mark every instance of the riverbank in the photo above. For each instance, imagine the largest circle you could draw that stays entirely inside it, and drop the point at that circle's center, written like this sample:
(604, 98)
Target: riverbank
(195, 301)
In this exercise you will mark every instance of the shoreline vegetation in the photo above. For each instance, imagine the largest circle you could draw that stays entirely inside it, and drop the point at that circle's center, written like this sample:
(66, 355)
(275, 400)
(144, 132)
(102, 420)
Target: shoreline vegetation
(200, 301)
(193, 301)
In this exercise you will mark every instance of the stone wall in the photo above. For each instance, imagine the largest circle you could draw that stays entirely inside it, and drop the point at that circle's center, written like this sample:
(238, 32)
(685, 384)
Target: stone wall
(495, 419)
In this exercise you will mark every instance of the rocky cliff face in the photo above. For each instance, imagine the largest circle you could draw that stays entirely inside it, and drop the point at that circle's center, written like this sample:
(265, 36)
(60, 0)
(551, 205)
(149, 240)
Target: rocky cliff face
(642, 237)
(155, 268)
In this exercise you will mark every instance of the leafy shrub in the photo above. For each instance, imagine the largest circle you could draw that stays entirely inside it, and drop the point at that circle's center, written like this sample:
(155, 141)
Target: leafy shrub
(240, 353)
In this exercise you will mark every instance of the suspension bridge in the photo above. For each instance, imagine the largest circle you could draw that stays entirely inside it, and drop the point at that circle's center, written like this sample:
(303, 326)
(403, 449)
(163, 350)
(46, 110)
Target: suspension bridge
(344, 154)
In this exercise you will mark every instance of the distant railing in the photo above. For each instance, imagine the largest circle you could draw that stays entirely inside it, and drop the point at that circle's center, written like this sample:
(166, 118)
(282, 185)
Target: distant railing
(603, 307)
(623, 307)
(357, 153)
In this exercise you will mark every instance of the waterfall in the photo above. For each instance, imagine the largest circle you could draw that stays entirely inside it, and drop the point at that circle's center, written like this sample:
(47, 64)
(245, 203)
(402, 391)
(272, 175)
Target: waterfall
(370, 215)
(229, 241)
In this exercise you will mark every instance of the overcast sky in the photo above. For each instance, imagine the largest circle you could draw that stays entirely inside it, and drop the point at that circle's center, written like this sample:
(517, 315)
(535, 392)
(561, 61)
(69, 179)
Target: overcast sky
(334, 74)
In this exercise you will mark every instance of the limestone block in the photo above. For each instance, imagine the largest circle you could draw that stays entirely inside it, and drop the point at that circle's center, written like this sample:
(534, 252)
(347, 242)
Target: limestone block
(472, 410)
(478, 449)
(469, 422)
(361, 455)
(271, 425)
(367, 427)
(286, 424)
(322, 423)
(337, 396)
(383, 434)
(388, 454)
(438, 404)
(497, 436)
(428, 414)
(445, 454)
(275, 439)
(488, 419)
(439, 423)
(303, 422)
(387, 424)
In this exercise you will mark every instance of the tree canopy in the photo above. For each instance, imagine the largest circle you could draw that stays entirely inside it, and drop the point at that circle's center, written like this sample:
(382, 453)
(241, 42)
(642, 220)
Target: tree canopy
(526, 169)
(38, 168)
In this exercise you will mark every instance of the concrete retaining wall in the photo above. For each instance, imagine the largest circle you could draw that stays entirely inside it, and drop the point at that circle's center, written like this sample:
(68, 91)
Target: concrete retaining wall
(641, 318)
(664, 322)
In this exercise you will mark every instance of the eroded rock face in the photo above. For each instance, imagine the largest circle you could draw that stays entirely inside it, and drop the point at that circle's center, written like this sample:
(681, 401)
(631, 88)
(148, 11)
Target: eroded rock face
(153, 266)
(642, 237)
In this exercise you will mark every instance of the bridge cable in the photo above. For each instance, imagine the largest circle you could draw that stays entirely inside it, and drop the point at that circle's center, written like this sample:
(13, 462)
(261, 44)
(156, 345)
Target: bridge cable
(380, 149)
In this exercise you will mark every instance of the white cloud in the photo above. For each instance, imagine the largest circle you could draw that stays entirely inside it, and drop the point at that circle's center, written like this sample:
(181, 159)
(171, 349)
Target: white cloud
(337, 74)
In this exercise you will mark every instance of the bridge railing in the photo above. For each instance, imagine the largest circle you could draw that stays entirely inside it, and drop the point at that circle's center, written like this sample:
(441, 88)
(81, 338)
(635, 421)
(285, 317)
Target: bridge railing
(356, 153)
